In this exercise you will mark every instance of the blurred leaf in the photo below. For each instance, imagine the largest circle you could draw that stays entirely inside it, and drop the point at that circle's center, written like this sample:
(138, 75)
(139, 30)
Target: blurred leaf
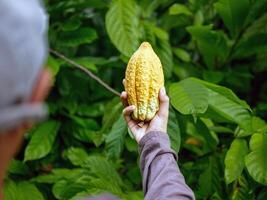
(107, 177)
(92, 110)
(88, 123)
(115, 139)
(86, 63)
(210, 139)
(242, 190)
(257, 8)
(77, 156)
(233, 13)
(213, 76)
(134, 196)
(122, 25)
(64, 189)
(173, 130)
(58, 174)
(18, 167)
(131, 144)
(255, 44)
(209, 180)
(53, 65)
(46, 133)
(179, 9)
(112, 112)
(263, 194)
(162, 48)
(21, 191)
(254, 39)
(212, 44)
(256, 160)
(235, 160)
(71, 24)
(182, 54)
(77, 37)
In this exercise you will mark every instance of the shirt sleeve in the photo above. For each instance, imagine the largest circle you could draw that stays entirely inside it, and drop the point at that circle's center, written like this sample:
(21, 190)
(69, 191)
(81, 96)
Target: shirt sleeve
(162, 178)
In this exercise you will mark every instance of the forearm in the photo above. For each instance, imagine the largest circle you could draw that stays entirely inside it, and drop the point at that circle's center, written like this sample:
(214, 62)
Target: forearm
(162, 178)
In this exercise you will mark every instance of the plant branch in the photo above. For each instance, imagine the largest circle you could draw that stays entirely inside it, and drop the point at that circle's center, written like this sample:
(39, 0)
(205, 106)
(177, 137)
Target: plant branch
(88, 72)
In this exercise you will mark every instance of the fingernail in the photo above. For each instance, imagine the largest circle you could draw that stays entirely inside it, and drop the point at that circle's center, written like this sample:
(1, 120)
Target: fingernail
(133, 107)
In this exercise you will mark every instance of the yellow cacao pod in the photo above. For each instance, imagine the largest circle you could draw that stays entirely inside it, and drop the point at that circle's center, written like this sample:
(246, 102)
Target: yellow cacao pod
(143, 80)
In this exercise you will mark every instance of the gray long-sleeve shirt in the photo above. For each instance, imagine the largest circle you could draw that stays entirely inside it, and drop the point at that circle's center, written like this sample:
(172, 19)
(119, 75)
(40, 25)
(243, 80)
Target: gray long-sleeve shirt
(162, 179)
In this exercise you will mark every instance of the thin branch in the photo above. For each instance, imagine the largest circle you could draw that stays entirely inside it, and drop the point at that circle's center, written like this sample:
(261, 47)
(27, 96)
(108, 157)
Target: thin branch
(88, 72)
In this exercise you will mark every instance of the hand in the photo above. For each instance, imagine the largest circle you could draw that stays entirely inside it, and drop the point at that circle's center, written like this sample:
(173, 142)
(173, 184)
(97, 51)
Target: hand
(158, 123)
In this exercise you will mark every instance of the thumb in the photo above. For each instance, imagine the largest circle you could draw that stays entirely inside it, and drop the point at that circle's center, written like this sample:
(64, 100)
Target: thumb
(163, 104)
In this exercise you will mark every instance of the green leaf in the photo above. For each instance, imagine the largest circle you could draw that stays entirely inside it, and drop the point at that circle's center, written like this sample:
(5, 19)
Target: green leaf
(189, 97)
(210, 139)
(92, 110)
(179, 9)
(131, 145)
(64, 189)
(18, 167)
(242, 190)
(115, 139)
(134, 196)
(225, 92)
(164, 51)
(122, 25)
(21, 191)
(53, 65)
(182, 54)
(71, 24)
(113, 111)
(77, 156)
(107, 178)
(254, 40)
(209, 180)
(174, 131)
(233, 13)
(42, 140)
(257, 8)
(213, 76)
(194, 96)
(58, 174)
(255, 44)
(256, 160)
(212, 44)
(87, 63)
(84, 35)
(235, 160)
(258, 126)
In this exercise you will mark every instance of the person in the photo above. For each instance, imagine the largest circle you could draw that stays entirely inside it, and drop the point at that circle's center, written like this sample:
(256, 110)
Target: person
(24, 85)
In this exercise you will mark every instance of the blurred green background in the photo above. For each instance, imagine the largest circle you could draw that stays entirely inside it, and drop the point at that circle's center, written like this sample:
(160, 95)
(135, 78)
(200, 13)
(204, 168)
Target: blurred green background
(214, 53)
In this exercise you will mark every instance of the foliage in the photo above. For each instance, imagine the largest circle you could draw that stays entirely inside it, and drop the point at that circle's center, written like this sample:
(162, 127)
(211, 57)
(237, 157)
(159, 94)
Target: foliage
(213, 52)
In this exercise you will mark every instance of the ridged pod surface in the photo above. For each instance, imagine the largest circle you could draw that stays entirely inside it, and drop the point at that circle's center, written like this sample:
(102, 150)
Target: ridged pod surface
(143, 80)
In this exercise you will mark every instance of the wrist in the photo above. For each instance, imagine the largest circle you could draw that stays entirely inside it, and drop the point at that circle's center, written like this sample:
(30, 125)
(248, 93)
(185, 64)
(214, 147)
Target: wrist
(161, 130)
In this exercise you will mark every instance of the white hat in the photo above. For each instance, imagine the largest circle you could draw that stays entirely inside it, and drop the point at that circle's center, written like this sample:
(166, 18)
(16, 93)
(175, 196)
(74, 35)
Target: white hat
(23, 50)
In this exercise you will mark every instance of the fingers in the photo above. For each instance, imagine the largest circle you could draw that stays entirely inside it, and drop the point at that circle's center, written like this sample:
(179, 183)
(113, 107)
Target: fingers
(128, 110)
(127, 116)
(163, 104)
(124, 99)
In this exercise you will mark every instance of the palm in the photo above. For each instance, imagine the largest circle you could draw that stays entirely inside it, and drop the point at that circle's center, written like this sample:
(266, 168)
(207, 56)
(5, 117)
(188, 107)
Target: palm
(158, 123)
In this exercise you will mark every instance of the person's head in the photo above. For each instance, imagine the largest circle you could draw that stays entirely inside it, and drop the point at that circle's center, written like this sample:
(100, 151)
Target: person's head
(24, 83)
